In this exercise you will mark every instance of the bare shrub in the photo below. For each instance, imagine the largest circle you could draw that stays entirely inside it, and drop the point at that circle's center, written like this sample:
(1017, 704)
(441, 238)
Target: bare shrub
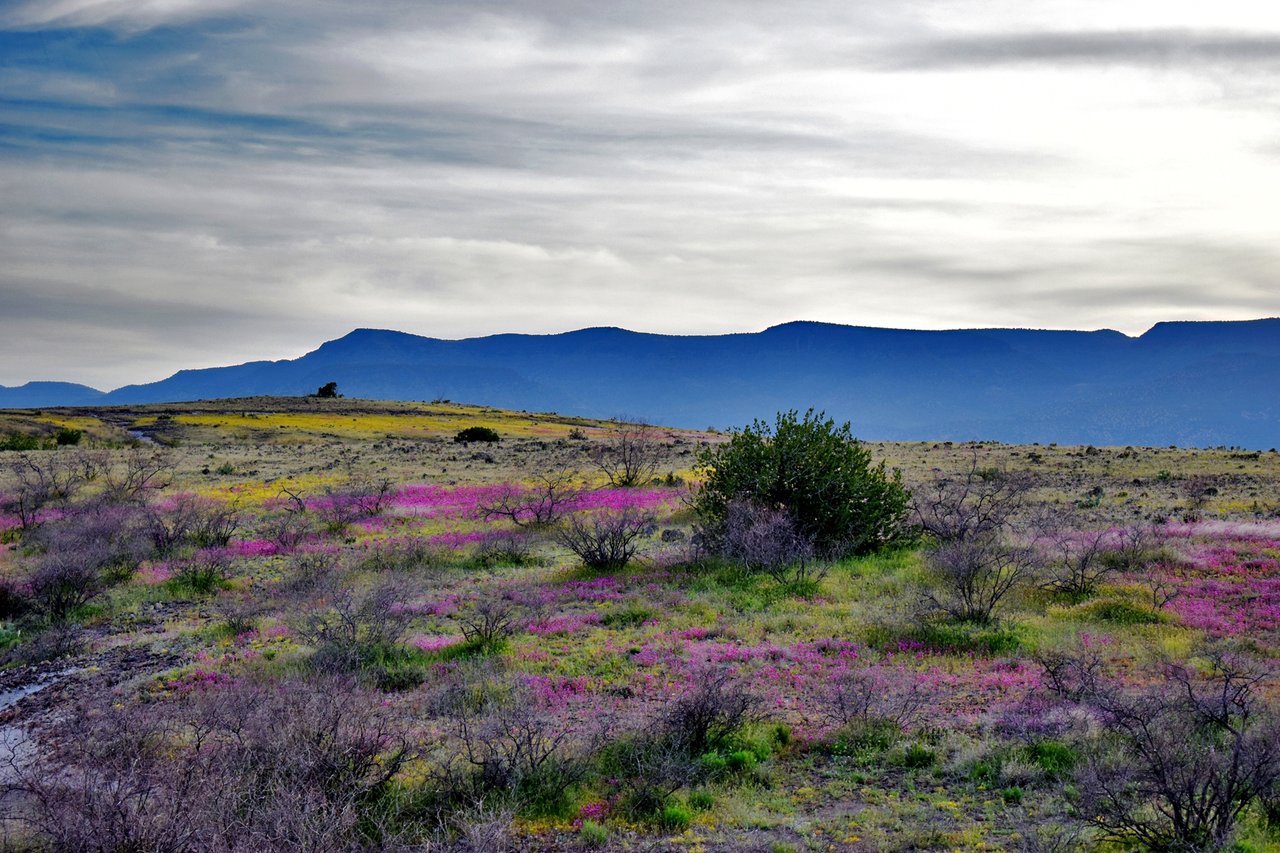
(516, 748)
(342, 506)
(137, 474)
(664, 756)
(83, 554)
(308, 572)
(239, 613)
(1197, 491)
(511, 548)
(287, 529)
(403, 555)
(1175, 764)
(629, 456)
(43, 479)
(540, 506)
(489, 622)
(61, 583)
(648, 770)
(111, 786)
(356, 631)
(606, 540)
(975, 575)
(706, 717)
(203, 572)
(871, 695)
(279, 767)
(189, 519)
(767, 541)
(978, 504)
(1075, 557)
(484, 828)
(1134, 548)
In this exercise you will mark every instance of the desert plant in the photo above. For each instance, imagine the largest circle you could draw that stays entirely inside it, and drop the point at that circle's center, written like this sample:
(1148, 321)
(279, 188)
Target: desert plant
(629, 456)
(517, 748)
(673, 748)
(356, 498)
(67, 437)
(971, 577)
(1074, 556)
(539, 506)
(82, 554)
(203, 572)
(356, 632)
(814, 470)
(287, 529)
(44, 479)
(1175, 764)
(489, 623)
(189, 519)
(308, 572)
(61, 583)
(486, 435)
(510, 548)
(979, 503)
(136, 475)
(766, 541)
(243, 767)
(606, 540)
(869, 695)
(709, 714)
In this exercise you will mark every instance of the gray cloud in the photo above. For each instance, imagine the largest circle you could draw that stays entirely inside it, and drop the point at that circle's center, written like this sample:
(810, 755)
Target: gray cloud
(1162, 48)
(190, 183)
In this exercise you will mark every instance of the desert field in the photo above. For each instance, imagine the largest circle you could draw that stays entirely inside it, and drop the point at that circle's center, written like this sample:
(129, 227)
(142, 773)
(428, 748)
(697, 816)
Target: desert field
(304, 623)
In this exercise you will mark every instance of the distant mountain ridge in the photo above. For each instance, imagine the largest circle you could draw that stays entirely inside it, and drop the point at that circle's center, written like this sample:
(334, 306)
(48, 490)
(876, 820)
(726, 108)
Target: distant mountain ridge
(1186, 383)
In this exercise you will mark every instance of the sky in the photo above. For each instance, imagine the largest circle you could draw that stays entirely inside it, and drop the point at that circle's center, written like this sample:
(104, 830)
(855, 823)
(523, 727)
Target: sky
(189, 183)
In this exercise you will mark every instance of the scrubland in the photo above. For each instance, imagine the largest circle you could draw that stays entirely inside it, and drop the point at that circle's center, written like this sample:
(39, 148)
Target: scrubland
(278, 624)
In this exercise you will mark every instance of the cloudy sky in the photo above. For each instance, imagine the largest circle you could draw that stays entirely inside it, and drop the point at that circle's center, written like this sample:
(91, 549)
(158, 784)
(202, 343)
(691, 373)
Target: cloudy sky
(187, 183)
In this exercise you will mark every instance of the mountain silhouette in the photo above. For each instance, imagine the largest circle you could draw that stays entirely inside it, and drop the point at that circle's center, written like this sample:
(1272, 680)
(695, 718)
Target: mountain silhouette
(1187, 383)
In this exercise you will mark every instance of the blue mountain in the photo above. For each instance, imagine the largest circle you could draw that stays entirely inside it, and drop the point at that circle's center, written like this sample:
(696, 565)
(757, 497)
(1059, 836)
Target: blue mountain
(37, 395)
(1198, 384)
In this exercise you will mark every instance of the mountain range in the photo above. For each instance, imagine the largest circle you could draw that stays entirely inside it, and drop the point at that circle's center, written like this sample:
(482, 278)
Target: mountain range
(1185, 383)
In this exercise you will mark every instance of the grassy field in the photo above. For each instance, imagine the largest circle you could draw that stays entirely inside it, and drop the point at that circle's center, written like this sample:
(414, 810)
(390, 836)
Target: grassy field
(323, 572)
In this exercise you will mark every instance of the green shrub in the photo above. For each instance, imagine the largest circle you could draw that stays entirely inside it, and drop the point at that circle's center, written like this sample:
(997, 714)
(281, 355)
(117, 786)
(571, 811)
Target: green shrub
(814, 470)
(476, 433)
(1119, 611)
(713, 764)
(741, 760)
(675, 818)
(985, 771)
(592, 834)
(918, 756)
(948, 637)
(627, 617)
(1012, 795)
(864, 736)
(1053, 757)
(19, 442)
(202, 574)
(701, 800)
(67, 437)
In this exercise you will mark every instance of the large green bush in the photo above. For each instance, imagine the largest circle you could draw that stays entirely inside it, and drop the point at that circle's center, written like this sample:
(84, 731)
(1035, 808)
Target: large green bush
(814, 470)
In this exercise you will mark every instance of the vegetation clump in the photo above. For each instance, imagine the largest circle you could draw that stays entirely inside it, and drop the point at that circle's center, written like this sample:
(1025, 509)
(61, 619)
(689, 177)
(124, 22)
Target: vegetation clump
(482, 434)
(816, 475)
